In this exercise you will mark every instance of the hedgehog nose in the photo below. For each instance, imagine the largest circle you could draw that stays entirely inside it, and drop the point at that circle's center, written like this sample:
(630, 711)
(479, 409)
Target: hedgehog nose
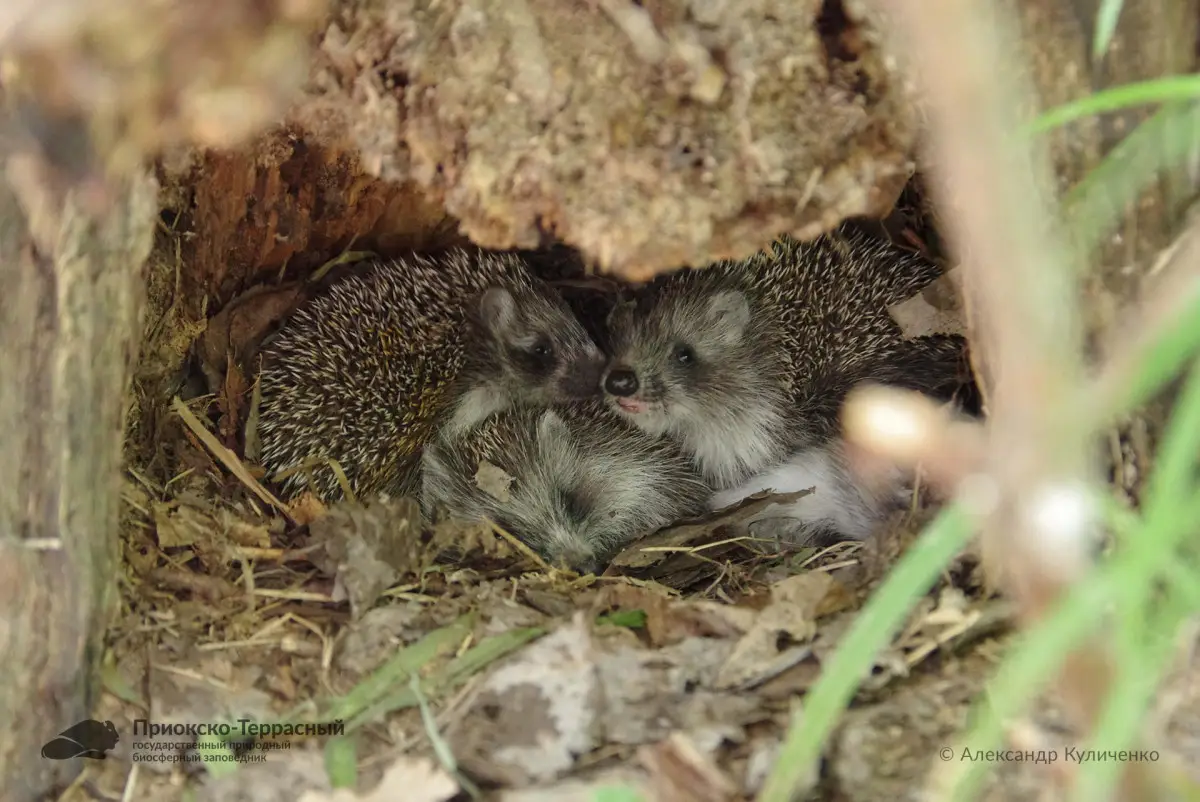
(587, 565)
(621, 382)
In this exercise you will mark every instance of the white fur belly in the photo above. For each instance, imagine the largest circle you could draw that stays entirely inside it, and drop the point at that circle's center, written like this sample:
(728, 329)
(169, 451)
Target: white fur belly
(837, 503)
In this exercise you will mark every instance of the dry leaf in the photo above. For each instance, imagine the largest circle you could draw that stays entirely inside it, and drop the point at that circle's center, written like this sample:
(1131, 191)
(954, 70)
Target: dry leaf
(494, 481)
(306, 508)
(655, 604)
(650, 693)
(469, 539)
(680, 773)
(182, 526)
(698, 531)
(535, 712)
(234, 331)
(780, 635)
(937, 309)
(368, 547)
(245, 533)
(412, 779)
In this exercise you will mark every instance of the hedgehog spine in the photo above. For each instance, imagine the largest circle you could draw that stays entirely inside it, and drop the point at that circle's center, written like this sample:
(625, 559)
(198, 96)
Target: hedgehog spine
(367, 372)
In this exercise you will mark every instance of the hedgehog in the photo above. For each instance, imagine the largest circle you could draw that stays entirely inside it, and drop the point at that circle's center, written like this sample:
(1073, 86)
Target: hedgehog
(841, 508)
(367, 372)
(584, 483)
(746, 363)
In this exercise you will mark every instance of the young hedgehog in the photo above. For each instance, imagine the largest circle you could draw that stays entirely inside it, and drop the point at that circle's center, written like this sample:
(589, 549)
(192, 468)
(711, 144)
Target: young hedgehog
(746, 364)
(585, 483)
(367, 372)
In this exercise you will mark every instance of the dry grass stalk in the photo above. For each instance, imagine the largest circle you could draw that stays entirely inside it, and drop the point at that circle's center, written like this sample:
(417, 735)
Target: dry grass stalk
(1036, 517)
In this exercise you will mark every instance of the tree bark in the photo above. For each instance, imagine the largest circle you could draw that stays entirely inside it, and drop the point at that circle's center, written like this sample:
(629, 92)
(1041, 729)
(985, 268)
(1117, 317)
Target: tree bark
(1153, 38)
(70, 294)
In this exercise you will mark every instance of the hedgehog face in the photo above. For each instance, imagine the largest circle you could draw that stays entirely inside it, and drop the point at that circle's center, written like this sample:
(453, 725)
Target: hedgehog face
(582, 488)
(693, 366)
(537, 351)
(678, 358)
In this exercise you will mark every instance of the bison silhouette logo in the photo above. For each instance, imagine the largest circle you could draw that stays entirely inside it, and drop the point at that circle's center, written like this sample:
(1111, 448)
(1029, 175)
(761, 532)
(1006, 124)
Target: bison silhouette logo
(88, 738)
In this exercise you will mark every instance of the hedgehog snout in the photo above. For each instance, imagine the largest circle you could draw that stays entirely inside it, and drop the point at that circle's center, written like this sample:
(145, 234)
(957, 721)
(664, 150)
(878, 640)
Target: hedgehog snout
(570, 549)
(621, 382)
(587, 565)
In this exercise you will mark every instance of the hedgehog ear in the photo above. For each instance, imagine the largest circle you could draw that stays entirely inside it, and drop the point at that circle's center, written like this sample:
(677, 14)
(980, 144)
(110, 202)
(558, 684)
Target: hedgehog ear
(498, 311)
(553, 434)
(434, 482)
(613, 311)
(433, 466)
(552, 428)
(621, 308)
(729, 315)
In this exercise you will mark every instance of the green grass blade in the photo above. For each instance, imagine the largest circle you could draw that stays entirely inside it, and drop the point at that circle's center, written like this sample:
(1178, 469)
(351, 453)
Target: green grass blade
(883, 615)
(341, 761)
(456, 672)
(1040, 653)
(396, 670)
(1171, 502)
(1174, 346)
(1184, 581)
(1161, 143)
(631, 619)
(1141, 93)
(617, 793)
(1106, 26)
(1171, 481)
(488, 651)
(1138, 679)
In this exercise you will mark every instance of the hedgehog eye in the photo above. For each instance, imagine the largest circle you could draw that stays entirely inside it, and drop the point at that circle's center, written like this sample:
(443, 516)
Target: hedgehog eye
(536, 358)
(684, 355)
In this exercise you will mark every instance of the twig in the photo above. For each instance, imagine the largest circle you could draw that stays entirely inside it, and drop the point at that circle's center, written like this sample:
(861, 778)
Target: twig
(228, 458)
(441, 749)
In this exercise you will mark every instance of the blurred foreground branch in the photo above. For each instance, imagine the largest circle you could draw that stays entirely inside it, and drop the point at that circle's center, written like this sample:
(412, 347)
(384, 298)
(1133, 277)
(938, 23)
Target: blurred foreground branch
(1030, 481)
(90, 93)
(99, 87)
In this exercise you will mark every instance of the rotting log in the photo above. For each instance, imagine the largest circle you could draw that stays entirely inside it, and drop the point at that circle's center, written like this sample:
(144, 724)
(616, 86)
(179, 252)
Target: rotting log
(282, 205)
(71, 283)
(83, 112)
(649, 135)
